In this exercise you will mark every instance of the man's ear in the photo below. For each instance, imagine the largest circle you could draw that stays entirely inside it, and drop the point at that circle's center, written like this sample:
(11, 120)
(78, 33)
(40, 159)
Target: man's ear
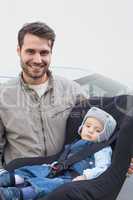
(18, 50)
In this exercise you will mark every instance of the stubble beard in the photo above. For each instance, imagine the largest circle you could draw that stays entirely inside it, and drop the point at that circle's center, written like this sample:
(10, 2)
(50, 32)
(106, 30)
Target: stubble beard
(25, 67)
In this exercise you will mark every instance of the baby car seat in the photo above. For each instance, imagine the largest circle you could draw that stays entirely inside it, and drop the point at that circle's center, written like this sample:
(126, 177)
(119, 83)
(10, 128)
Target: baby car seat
(107, 185)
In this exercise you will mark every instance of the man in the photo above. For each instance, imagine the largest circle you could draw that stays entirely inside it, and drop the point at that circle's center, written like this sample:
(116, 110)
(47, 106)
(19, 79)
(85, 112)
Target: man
(35, 106)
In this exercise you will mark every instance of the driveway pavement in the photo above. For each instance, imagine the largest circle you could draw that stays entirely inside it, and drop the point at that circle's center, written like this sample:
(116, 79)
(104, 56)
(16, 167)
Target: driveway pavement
(127, 190)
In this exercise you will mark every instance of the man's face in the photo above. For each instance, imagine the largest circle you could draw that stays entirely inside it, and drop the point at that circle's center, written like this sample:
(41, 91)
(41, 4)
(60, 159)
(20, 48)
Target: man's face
(35, 58)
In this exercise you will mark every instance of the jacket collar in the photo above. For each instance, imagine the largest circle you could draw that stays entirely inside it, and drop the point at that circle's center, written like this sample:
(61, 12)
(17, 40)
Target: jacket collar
(25, 86)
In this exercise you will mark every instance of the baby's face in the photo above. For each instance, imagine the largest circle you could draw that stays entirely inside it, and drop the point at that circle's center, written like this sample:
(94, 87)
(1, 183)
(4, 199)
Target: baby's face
(91, 129)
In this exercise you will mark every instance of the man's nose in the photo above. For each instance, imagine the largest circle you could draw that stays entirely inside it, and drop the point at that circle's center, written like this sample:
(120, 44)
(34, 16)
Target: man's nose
(37, 58)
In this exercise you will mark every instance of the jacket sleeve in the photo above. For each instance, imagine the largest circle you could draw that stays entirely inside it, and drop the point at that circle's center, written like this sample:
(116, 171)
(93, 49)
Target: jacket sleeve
(102, 162)
(2, 142)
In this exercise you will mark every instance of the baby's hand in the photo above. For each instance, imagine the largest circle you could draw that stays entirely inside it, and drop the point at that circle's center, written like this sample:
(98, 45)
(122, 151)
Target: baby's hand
(79, 178)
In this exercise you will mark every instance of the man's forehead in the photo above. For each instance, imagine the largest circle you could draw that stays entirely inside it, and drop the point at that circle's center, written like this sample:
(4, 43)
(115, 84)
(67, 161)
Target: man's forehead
(31, 40)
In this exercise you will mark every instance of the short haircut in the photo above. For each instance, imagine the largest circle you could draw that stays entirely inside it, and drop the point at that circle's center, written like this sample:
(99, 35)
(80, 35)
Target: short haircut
(39, 29)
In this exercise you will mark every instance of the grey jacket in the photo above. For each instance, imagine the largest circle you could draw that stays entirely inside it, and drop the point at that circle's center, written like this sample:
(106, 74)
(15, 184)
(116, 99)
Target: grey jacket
(34, 126)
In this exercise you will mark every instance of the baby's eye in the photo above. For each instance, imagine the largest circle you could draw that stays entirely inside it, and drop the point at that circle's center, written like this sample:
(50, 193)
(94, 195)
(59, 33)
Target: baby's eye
(98, 131)
(88, 126)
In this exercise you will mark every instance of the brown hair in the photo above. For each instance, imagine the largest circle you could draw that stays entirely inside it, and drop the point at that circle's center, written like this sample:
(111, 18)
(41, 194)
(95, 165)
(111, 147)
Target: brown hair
(39, 29)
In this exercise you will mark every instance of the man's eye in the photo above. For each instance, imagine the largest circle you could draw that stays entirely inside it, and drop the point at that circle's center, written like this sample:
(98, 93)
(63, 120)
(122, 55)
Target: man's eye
(44, 53)
(30, 51)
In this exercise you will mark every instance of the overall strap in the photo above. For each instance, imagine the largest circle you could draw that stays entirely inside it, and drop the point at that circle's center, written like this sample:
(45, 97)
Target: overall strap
(65, 153)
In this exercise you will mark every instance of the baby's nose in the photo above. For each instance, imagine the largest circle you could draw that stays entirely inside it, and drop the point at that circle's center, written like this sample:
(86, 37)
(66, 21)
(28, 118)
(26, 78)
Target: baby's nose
(91, 130)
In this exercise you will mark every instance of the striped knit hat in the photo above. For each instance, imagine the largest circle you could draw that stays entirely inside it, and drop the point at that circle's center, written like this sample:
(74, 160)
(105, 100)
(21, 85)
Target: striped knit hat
(107, 120)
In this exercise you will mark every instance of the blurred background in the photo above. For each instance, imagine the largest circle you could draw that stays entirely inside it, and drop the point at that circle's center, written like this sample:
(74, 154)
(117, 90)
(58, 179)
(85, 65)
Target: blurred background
(91, 34)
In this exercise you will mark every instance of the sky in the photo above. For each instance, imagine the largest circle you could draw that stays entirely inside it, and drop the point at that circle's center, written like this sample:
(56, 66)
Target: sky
(92, 34)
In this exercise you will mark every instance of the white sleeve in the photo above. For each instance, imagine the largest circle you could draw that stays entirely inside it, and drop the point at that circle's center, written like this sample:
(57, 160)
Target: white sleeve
(102, 162)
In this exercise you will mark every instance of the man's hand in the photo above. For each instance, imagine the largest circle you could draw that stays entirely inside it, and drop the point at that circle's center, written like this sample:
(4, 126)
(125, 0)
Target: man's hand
(130, 169)
(79, 178)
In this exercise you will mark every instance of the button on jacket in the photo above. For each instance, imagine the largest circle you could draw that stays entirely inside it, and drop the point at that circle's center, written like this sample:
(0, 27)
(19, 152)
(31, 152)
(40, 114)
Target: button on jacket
(34, 126)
